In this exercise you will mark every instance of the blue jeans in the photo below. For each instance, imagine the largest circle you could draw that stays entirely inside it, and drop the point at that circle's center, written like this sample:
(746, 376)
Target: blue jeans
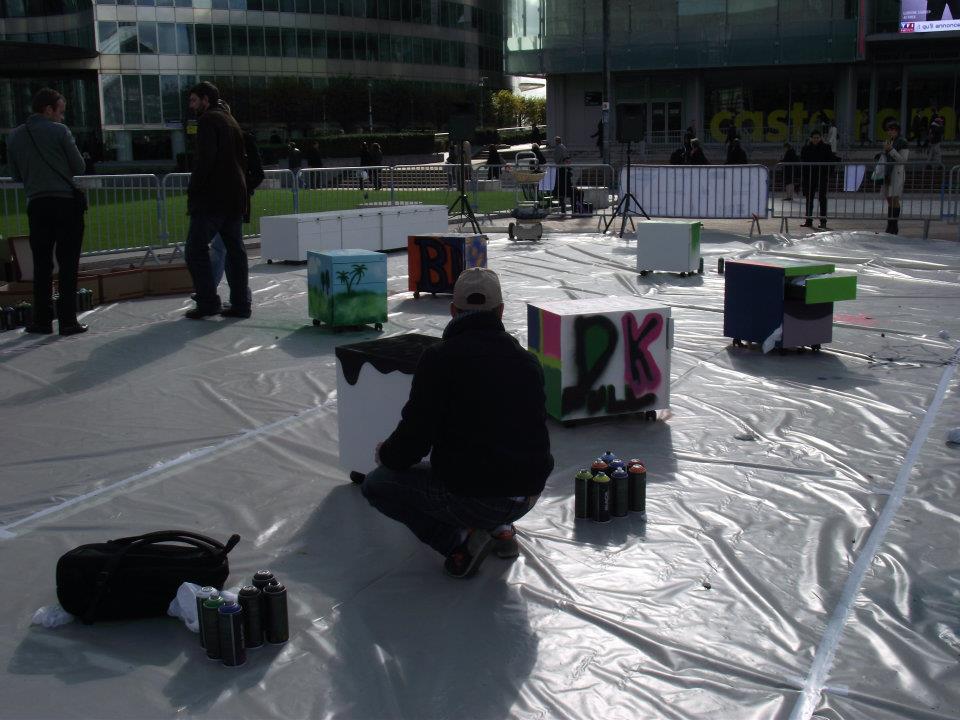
(218, 259)
(436, 516)
(203, 228)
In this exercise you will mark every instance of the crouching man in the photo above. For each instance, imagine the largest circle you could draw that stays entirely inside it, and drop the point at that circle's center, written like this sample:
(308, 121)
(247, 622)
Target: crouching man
(477, 406)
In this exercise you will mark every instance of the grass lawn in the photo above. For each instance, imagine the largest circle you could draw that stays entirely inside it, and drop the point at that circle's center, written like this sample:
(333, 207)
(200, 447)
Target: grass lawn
(113, 223)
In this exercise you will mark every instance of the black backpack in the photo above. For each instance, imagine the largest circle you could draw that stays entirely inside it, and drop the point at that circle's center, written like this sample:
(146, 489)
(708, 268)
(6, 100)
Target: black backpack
(678, 156)
(254, 162)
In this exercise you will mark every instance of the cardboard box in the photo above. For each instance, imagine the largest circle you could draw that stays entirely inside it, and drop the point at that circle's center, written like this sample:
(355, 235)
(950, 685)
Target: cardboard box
(92, 283)
(14, 293)
(168, 280)
(122, 285)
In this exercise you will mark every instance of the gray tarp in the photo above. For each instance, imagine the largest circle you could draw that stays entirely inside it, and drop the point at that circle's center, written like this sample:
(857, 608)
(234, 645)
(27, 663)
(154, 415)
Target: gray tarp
(740, 597)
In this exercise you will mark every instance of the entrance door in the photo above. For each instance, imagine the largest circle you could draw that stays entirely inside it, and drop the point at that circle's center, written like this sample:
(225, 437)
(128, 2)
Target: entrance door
(665, 122)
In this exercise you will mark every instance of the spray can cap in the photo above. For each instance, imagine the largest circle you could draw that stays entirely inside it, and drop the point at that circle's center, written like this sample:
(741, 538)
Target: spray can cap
(207, 591)
(584, 474)
(619, 473)
(249, 590)
(608, 456)
(601, 477)
(637, 468)
(263, 576)
(229, 608)
(214, 602)
(274, 589)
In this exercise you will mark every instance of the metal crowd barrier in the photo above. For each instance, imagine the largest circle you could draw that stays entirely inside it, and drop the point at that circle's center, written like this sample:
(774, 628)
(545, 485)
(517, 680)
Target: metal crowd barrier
(853, 194)
(697, 191)
(951, 203)
(277, 195)
(124, 212)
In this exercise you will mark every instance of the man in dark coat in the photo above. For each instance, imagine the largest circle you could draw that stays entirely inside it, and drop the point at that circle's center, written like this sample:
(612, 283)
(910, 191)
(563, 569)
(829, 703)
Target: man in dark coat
(815, 175)
(217, 200)
(488, 441)
(736, 155)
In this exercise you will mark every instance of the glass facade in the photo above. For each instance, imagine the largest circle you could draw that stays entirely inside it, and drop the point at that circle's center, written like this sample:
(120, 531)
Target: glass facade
(562, 36)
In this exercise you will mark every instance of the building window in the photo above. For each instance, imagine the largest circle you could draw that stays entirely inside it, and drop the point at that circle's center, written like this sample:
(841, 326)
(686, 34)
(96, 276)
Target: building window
(288, 6)
(112, 100)
(270, 5)
(303, 43)
(221, 39)
(127, 33)
(151, 99)
(255, 35)
(167, 38)
(185, 42)
(333, 45)
(271, 41)
(109, 41)
(148, 38)
(288, 39)
(170, 98)
(319, 44)
(204, 41)
(132, 102)
(238, 39)
(346, 46)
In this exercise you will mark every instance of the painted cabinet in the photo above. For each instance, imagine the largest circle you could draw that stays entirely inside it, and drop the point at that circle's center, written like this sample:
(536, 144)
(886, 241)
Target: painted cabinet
(602, 356)
(669, 245)
(436, 260)
(347, 287)
(781, 302)
(374, 374)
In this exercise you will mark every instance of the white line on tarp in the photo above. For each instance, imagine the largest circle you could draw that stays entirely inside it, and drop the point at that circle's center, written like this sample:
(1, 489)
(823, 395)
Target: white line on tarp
(823, 658)
(189, 456)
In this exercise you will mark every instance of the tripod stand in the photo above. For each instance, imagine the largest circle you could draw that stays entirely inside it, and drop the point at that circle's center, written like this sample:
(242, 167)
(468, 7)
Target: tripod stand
(623, 207)
(462, 203)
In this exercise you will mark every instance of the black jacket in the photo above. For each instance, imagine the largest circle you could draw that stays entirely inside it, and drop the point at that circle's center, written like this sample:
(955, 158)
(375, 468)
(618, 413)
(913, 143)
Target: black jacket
(477, 405)
(816, 176)
(218, 183)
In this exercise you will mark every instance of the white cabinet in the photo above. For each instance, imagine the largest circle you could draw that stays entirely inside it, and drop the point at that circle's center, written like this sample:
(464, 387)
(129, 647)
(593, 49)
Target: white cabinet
(669, 245)
(289, 237)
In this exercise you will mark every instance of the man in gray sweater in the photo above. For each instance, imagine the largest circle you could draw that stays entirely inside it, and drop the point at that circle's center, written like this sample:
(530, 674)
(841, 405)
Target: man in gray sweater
(44, 157)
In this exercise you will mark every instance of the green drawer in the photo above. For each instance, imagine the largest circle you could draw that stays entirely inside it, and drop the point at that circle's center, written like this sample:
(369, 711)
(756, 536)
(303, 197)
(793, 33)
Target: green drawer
(830, 288)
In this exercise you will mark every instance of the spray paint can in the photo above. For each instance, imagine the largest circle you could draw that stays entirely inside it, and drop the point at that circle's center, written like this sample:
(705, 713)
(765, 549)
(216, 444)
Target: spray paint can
(251, 601)
(581, 504)
(638, 488)
(3, 321)
(210, 626)
(9, 318)
(276, 627)
(608, 457)
(600, 510)
(262, 578)
(204, 594)
(620, 504)
(720, 264)
(614, 464)
(231, 635)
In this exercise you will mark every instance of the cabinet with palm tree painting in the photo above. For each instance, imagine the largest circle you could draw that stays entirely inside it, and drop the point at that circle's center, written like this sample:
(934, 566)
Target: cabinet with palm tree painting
(347, 288)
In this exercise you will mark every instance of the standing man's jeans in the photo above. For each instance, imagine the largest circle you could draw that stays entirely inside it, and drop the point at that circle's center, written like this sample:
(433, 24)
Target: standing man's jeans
(436, 516)
(218, 259)
(56, 228)
(203, 227)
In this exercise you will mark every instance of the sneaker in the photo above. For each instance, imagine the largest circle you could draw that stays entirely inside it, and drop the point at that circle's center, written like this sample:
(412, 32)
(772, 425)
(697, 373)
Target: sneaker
(74, 328)
(464, 561)
(823, 224)
(808, 223)
(505, 543)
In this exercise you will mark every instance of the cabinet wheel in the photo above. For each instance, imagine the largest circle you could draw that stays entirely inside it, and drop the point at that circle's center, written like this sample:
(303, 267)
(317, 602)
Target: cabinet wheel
(650, 415)
(316, 323)
(357, 477)
(269, 261)
(815, 348)
(416, 294)
(737, 342)
(700, 269)
(644, 273)
(433, 294)
(378, 326)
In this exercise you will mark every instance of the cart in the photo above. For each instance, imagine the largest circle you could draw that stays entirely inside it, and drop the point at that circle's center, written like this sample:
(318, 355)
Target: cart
(532, 205)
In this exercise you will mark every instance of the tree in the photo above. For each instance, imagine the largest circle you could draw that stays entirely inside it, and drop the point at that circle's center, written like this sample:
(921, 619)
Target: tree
(346, 100)
(507, 108)
(357, 274)
(534, 110)
(346, 278)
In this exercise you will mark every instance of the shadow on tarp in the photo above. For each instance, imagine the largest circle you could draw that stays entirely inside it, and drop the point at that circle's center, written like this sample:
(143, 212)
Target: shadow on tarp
(77, 654)
(130, 351)
(427, 304)
(798, 369)
(279, 267)
(404, 639)
(318, 342)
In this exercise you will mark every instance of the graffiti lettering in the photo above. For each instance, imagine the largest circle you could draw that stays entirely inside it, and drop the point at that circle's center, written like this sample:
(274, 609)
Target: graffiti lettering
(595, 338)
(640, 369)
(437, 260)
